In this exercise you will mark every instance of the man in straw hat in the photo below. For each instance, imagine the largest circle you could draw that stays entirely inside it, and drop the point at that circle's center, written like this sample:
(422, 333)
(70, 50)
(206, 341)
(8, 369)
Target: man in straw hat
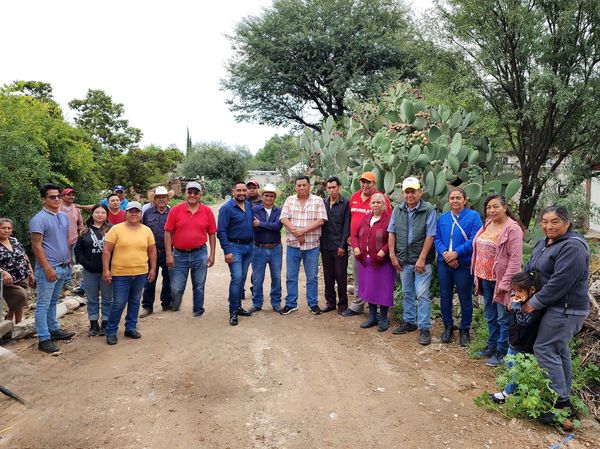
(267, 249)
(155, 217)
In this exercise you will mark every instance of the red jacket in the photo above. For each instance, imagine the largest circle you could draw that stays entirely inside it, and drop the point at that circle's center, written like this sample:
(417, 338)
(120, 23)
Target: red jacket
(376, 237)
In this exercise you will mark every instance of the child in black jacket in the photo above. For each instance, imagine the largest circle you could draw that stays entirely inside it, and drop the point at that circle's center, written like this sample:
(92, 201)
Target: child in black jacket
(524, 326)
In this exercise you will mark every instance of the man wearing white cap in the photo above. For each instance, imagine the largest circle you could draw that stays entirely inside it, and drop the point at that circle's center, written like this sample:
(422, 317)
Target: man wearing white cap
(155, 217)
(190, 225)
(411, 234)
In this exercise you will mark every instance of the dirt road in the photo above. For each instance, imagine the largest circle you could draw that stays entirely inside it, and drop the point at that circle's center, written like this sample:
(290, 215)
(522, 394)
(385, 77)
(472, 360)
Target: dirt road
(296, 381)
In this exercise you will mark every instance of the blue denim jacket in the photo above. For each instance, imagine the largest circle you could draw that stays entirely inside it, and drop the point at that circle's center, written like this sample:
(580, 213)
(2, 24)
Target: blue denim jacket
(269, 229)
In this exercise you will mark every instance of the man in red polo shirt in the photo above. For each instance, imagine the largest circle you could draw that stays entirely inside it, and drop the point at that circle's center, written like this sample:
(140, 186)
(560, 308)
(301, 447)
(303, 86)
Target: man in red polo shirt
(189, 226)
(359, 207)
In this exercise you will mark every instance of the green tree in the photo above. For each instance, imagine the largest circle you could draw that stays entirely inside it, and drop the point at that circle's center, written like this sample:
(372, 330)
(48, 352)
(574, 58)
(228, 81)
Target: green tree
(216, 161)
(279, 153)
(103, 120)
(37, 147)
(303, 60)
(536, 64)
(140, 168)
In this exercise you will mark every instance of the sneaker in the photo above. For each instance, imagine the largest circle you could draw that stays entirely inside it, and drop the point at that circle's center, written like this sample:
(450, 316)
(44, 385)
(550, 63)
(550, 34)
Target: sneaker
(447, 334)
(243, 312)
(404, 328)
(315, 310)
(48, 346)
(145, 313)
(485, 353)
(287, 310)
(200, 313)
(233, 319)
(59, 334)
(277, 309)
(464, 339)
(133, 334)
(111, 339)
(254, 309)
(328, 308)
(495, 359)
(424, 337)
(350, 312)
(498, 398)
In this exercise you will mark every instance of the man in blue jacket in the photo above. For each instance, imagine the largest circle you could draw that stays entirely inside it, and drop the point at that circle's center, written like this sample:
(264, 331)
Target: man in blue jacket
(235, 234)
(267, 249)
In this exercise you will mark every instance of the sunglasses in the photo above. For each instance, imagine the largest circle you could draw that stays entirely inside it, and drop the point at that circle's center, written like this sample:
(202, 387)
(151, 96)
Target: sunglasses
(54, 197)
(193, 192)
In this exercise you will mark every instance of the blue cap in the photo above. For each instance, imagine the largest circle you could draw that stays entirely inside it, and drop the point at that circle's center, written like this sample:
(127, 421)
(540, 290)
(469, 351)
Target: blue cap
(119, 187)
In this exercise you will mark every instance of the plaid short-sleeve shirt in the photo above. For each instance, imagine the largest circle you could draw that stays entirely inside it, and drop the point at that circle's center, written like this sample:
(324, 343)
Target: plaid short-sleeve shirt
(302, 217)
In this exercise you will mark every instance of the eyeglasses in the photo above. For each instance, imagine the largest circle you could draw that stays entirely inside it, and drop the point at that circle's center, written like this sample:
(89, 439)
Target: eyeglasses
(54, 197)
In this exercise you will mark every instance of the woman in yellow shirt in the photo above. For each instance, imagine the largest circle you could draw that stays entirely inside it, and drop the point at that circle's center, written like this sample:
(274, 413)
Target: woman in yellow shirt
(129, 249)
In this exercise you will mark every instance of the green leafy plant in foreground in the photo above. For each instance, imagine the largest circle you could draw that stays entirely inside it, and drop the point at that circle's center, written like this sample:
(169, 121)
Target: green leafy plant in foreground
(533, 395)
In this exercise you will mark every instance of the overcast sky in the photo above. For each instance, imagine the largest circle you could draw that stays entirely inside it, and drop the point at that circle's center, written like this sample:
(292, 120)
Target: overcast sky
(162, 59)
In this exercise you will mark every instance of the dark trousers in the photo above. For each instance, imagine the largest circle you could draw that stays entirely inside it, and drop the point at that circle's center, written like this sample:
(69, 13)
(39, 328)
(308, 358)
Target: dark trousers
(150, 287)
(334, 271)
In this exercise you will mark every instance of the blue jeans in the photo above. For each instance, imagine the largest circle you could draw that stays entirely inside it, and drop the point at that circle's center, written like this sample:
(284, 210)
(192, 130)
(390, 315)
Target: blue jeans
(127, 291)
(242, 256)
(415, 287)
(497, 317)
(310, 259)
(195, 262)
(47, 297)
(273, 257)
(512, 386)
(96, 287)
(463, 280)
(150, 287)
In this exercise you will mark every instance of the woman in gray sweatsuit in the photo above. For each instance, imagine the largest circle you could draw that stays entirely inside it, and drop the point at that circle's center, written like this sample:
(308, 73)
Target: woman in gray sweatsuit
(562, 261)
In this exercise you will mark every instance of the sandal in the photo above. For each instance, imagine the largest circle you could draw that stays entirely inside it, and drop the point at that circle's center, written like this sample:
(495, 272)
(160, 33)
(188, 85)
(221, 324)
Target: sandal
(499, 398)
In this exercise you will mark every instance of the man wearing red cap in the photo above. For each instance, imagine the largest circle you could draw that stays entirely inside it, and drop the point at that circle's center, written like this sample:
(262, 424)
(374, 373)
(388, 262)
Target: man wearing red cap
(253, 193)
(359, 207)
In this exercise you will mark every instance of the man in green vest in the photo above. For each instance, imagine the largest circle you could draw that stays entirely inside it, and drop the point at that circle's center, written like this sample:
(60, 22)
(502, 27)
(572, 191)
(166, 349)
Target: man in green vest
(411, 233)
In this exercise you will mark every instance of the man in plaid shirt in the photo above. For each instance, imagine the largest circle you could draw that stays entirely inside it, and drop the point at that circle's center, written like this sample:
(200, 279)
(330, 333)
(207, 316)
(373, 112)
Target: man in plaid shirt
(302, 215)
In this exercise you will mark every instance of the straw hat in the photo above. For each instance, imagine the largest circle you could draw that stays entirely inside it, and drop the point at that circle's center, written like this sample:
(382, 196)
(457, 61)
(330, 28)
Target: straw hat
(270, 188)
(160, 190)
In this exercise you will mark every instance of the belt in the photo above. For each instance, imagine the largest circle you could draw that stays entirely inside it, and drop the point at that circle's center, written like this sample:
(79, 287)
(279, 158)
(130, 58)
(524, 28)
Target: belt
(241, 241)
(190, 250)
(267, 245)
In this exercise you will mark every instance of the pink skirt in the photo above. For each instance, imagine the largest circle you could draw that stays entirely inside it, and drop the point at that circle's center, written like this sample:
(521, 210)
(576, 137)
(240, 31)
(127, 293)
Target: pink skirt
(376, 283)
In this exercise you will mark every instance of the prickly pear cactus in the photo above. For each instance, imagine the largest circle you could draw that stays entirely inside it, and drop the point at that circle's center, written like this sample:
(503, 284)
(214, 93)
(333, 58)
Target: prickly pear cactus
(401, 136)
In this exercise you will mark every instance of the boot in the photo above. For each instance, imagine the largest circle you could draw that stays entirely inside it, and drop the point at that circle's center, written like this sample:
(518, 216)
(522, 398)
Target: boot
(372, 320)
(103, 328)
(384, 323)
(94, 328)
(464, 338)
(447, 334)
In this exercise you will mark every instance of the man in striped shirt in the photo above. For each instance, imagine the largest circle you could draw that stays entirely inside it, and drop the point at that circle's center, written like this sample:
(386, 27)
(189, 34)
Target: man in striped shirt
(302, 215)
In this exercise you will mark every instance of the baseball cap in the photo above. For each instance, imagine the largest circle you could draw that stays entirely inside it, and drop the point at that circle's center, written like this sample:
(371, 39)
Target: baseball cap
(67, 191)
(253, 181)
(193, 185)
(411, 183)
(369, 176)
(119, 187)
(133, 205)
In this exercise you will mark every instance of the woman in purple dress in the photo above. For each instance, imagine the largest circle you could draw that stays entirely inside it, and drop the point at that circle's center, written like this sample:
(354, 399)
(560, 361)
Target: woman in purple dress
(376, 275)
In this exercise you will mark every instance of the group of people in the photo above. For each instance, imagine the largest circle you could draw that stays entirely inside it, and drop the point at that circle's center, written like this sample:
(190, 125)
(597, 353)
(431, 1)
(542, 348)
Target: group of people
(537, 309)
